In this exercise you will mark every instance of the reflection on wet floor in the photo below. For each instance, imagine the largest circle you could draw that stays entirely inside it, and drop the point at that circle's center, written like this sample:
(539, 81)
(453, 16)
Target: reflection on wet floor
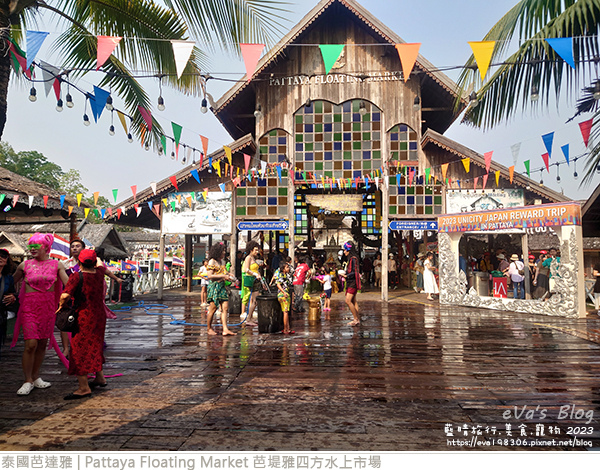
(393, 383)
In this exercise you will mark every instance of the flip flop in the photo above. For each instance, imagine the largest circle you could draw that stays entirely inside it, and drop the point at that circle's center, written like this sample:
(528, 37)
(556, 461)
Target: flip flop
(291, 332)
(72, 396)
(93, 384)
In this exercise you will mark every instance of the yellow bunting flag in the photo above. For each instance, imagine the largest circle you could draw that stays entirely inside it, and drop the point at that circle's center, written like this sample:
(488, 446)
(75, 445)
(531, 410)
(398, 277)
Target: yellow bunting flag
(497, 177)
(123, 122)
(70, 210)
(466, 163)
(408, 56)
(205, 194)
(445, 169)
(483, 51)
(86, 211)
(179, 199)
(79, 196)
(217, 167)
(165, 202)
(511, 173)
(227, 153)
(96, 194)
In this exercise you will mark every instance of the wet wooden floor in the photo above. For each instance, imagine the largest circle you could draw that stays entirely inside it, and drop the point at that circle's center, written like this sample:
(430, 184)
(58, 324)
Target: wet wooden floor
(413, 376)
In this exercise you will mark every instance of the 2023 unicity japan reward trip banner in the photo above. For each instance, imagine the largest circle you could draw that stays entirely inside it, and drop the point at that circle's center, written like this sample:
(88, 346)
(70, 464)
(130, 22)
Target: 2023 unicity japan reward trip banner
(191, 213)
(543, 215)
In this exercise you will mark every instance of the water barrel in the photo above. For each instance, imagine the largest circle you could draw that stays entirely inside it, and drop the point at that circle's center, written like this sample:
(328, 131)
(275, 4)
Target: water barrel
(235, 302)
(270, 316)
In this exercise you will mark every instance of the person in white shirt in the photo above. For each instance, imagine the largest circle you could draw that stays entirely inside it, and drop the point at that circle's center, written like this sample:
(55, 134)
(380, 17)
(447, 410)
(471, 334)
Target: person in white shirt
(203, 273)
(325, 279)
(517, 276)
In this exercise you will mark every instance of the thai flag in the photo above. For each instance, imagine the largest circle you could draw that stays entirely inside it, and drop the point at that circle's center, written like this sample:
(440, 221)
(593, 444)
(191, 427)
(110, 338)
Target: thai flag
(60, 248)
(157, 266)
(177, 261)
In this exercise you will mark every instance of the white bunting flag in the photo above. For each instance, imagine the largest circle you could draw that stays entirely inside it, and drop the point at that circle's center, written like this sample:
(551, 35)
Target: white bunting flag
(182, 51)
(153, 186)
(30, 201)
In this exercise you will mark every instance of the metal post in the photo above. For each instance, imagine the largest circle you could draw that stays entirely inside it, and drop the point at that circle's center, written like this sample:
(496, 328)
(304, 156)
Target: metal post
(189, 249)
(233, 242)
(161, 266)
(385, 213)
(525, 246)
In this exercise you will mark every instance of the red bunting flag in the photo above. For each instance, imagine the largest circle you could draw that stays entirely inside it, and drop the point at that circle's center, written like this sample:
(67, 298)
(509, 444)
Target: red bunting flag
(545, 157)
(488, 160)
(156, 210)
(411, 175)
(134, 191)
(147, 117)
(45, 202)
(586, 127)
(119, 212)
(109, 209)
(485, 178)
(106, 46)
(475, 182)
(247, 159)
(174, 182)
(251, 54)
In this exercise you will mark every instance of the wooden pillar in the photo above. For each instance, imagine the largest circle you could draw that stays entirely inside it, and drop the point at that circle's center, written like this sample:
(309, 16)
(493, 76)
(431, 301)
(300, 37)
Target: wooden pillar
(525, 247)
(189, 252)
(209, 243)
(161, 266)
(290, 201)
(385, 212)
(233, 238)
(72, 226)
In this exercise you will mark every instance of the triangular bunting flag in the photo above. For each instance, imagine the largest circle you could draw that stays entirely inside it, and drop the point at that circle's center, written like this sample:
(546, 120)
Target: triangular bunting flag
(174, 182)
(45, 198)
(110, 213)
(62, 200)
(96, 196)
(564, 48)
(35, 40)
(411, 175)
(251, 54)
(222, 187)
(165, 201)
(548, 138)
(30, 201)
(408, 56)
(79, 196)
(156, 210)
(102, 213)
(247, 159)
(515, 149)
(182, 50)
(86, 212)
(488, 160)
(70, 210)
(497, 177)
(330, 53)
(483, 51)
(121, 117)
(189, 201)
(484, 179)
(195, 175)
(427, 175)
(263, 168)
(106, 46)
(115, 192)
(99, 102)
(526, 163)
(445, 169)
(49, 74)
(176, 135)
(119, 212)
(204, 147)
(227, 153)
(377, 182)
(475, 181)
(163, 141)
(545, 157)
(147, 117)
(466, 163)
(279, 173)
(153, 187)
(585, 128)
(138, 211)
(511, 173)
(134, 191)
(565, 151)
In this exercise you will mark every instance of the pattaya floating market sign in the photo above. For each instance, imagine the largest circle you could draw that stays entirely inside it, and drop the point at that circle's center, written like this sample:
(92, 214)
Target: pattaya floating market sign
(544, 215)
(332, 78)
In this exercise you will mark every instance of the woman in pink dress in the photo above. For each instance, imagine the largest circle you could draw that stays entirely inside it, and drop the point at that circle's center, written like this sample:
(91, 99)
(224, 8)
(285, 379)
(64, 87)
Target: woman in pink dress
(87, 355)
(38, 299)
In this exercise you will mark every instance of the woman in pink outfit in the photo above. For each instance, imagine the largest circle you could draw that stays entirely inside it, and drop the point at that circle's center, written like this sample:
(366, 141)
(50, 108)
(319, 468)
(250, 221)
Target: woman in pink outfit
(39, 300)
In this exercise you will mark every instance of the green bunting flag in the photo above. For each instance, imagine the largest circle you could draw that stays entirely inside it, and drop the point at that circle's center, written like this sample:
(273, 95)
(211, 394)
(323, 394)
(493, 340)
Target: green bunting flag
(2, 196)
(115, 192)
(176, 135)
(330, 53)
(526, 163)
(427, 175)
(163, 139)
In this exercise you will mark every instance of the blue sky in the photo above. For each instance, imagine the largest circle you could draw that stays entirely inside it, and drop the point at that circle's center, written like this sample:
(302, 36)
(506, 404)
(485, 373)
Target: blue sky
(443, 28)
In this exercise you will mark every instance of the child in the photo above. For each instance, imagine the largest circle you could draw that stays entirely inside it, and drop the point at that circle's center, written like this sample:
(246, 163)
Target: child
(325, 279)
(283, 279)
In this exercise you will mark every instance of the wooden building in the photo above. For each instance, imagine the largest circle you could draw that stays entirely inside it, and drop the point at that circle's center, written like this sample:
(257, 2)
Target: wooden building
(361, 133)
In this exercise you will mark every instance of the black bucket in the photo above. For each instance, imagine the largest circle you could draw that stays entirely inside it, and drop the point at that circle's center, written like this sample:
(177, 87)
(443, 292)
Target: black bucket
(270, 316)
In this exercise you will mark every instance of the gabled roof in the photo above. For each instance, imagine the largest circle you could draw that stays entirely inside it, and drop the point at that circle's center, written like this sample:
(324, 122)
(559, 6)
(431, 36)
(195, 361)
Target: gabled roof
(433, 138)
(371, 22)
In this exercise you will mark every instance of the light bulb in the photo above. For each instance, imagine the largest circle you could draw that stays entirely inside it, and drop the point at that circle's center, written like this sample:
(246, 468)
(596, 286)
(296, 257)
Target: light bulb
(111, 130)
(172, 155)
(558, 178)
(183, 160)
(129, 138)
(258, 112)
(597, 91)
(70, 103)
(541, 182)
(473, 99)
(416, 103)
(362, 108)
(598, 168)
(535, 94)
(33, 95)
(161, 150)
(161, 104)
(59, 105)
(86, 120)
(204, 106)
(109, 103)
(575, 175)
(146, 147)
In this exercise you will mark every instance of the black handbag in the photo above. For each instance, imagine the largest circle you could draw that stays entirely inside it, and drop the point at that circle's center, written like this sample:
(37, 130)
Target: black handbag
(66, 317)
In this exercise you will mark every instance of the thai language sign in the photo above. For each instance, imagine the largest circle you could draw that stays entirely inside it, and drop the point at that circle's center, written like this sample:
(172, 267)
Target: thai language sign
(483, 200)
(191, 213)
(545, 215)
(336, 202)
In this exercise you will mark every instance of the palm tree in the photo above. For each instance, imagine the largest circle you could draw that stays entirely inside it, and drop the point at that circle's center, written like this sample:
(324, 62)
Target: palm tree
(216, 23)
(535, 69)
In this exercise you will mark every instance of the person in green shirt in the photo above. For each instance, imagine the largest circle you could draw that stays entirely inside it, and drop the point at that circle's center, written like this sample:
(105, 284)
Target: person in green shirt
(547, 262)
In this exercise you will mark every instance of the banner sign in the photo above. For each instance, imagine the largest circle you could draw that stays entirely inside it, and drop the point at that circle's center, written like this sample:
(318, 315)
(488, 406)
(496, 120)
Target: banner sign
(269, 225)
(191, 213)
(336, 202)
(413, 225)
(544, 215)
(483, 200)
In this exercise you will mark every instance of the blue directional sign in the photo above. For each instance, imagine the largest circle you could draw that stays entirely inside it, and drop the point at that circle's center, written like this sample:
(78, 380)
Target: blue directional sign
(272, 225)
(413, 225)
